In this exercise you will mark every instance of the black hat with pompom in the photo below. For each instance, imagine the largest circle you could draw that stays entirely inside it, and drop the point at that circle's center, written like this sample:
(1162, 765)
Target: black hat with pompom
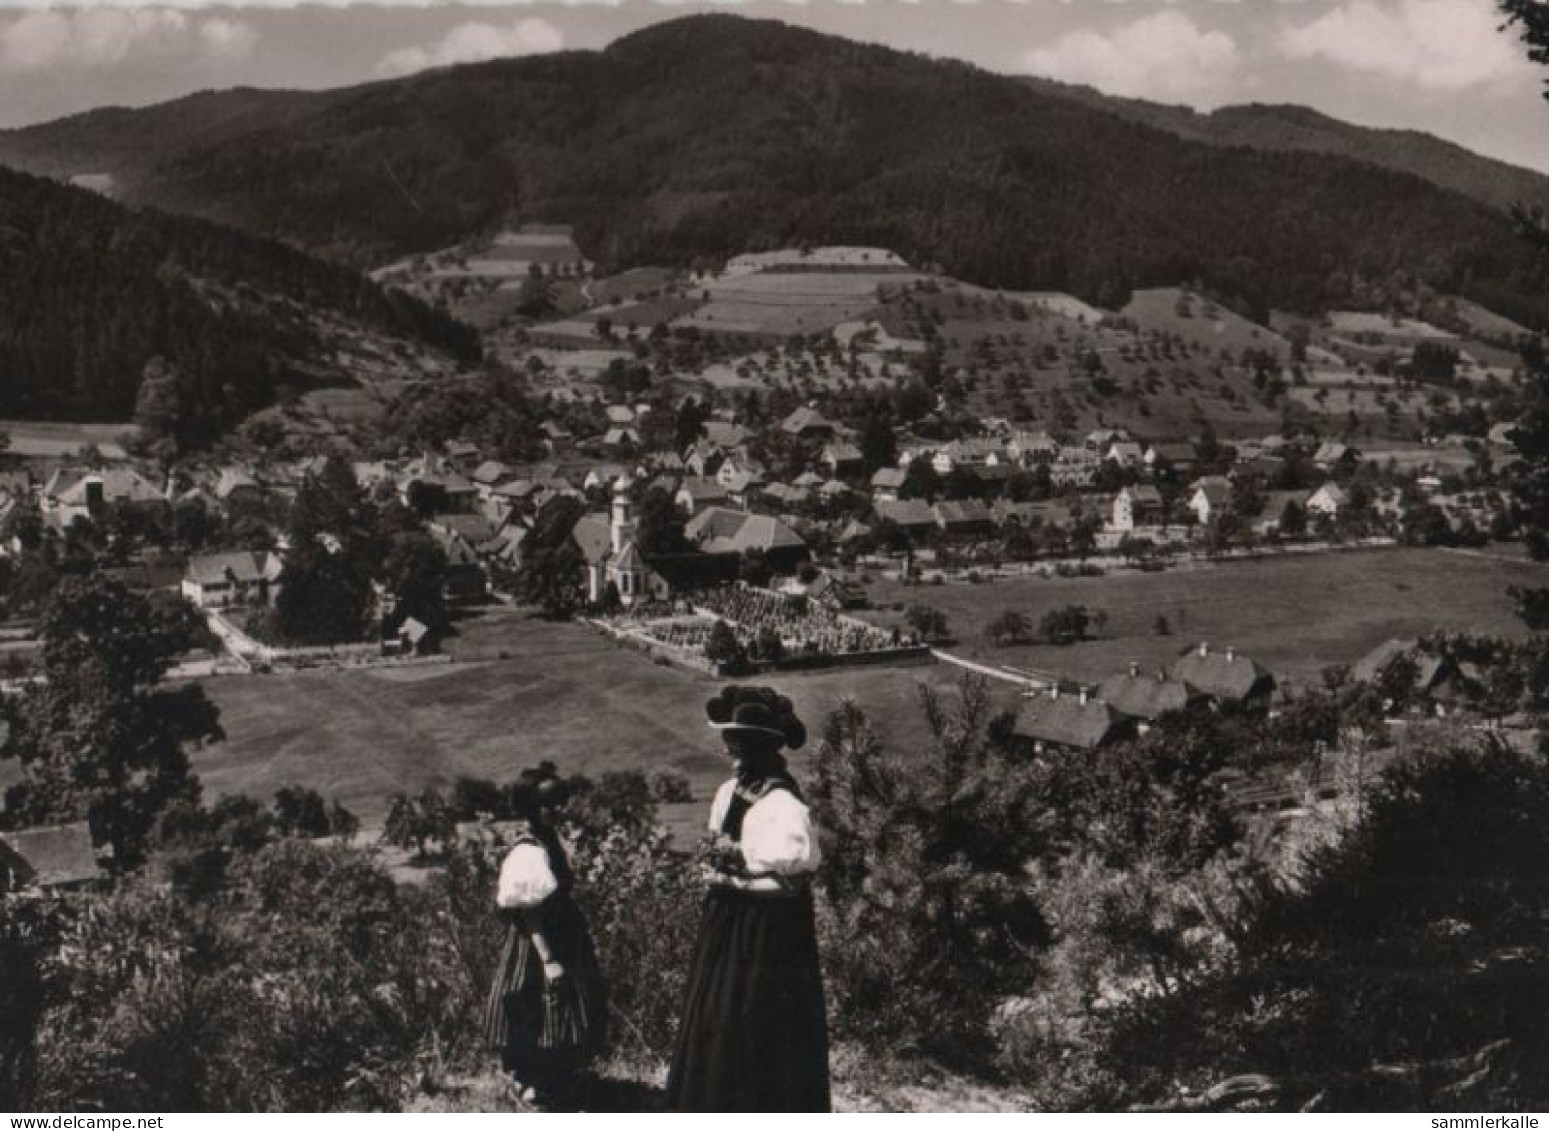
(760, 710)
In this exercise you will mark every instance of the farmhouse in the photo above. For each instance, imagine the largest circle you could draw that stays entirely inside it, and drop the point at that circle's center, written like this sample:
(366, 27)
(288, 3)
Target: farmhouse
(1329, 500)
(784, 495)
(488, 475)
(725, 434)
(1056, 721)
(1147, 698)
(1179, 455)
(1137, 506)
(842, 459)
(912, 516)
(236, 484)
(49, 858)
(1435, 676)
(694, 495)
(1125, 453)
(1033, 449)
(69, 495)
(886, 483)
(1225, 677)
(1331, 454)
(968, 518)
(1211, 498)
(808, 424)
(239, 578)
(463, 456)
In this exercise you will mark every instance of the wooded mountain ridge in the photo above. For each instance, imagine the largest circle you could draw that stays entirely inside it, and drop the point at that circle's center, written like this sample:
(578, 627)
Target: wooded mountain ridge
(710, 135)
(94, 290)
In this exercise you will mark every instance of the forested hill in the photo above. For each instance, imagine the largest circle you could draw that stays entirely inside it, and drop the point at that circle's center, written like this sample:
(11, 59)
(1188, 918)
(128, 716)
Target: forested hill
(711, 135)
(92, 290)
(1290, 128)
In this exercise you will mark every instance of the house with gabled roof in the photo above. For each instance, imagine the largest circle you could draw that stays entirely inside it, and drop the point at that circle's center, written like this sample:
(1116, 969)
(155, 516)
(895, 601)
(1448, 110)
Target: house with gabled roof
(1180, 455)
(1437, 675)
(237, 578)
(1063, 721)
(886, 482)
(1210, 498)
(842, 459)
(807, 423)
(912, 516)
(1137, 506)
(695, 494)
(964, 518)
(1329, 500)
(722, 531)
(1225, 677)
(1146, 698)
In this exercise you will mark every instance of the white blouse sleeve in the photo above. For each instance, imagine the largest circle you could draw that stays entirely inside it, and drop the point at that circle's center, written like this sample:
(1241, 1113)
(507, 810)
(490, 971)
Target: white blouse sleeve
(526, 879)
(777, 836)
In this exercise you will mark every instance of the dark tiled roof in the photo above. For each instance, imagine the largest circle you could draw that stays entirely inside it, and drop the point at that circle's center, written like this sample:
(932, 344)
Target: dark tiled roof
(720, 530)
(1067, 721)
(907, 512)
(1146, 697)
(1223, 675)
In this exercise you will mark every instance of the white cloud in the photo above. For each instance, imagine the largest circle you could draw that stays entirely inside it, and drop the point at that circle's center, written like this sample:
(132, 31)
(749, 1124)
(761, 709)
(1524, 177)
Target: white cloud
(104, 37)
(476, 43)
(1163, 55)
(1444, 45)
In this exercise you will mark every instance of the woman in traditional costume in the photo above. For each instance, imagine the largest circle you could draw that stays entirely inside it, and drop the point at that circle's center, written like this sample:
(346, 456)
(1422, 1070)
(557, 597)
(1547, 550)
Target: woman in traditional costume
(754, 1033)
(546, 1014)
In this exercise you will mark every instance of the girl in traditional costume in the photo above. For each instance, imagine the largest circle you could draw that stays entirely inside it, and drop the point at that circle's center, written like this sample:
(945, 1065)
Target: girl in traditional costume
(546, 1014)
(754, 1033)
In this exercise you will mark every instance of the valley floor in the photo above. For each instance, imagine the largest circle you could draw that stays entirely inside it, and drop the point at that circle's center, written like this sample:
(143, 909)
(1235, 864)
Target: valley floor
(524, 689)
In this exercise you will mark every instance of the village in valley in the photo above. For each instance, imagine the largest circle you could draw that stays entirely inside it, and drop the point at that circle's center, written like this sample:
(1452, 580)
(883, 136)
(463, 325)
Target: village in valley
(1110, 537)
(826, 467)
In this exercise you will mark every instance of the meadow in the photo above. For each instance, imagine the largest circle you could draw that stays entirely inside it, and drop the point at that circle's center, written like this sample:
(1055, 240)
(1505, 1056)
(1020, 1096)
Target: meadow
(521, 690)
(62, 439)
(1294, 614)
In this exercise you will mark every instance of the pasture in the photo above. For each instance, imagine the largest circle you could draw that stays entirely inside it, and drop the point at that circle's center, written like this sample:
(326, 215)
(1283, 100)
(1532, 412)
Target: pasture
(1295, 614)
(522, 690)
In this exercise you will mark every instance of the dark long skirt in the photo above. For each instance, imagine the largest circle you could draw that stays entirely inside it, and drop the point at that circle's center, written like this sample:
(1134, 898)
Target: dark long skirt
(545, 1034)
(754, 1034)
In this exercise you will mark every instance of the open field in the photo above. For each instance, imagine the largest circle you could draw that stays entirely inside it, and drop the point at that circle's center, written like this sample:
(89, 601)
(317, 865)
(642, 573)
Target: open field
(51, 439)
(1295, 614)
(562, 691)
(794, 303)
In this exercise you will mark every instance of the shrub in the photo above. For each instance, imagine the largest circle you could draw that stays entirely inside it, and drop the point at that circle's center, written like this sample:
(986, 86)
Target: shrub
(927, 917)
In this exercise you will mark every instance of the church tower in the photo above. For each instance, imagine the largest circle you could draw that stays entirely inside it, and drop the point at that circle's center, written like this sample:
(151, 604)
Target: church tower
(622, 525)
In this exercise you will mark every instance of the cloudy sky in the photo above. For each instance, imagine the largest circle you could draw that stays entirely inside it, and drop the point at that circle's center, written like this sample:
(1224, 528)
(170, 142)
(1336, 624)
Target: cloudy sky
(1439, 65)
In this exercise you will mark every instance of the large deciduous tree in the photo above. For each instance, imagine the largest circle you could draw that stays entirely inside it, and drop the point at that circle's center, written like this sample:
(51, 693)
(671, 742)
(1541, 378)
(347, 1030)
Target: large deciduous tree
(99, 738)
